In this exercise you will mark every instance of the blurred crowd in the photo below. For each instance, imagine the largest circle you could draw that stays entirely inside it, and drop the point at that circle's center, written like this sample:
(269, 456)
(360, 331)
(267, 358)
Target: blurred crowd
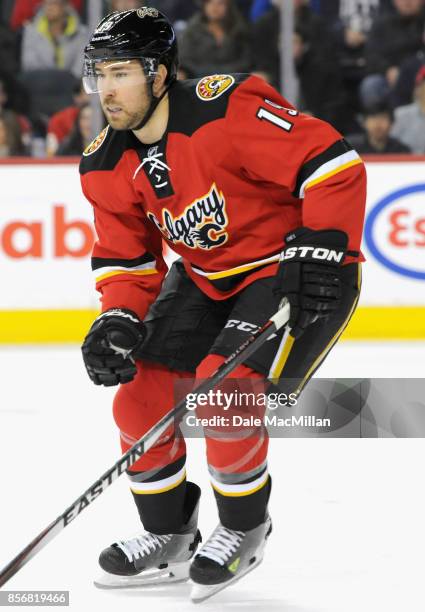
(360, 64)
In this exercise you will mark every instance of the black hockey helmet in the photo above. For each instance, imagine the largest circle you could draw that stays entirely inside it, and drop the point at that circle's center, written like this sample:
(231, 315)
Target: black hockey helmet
(144, 34)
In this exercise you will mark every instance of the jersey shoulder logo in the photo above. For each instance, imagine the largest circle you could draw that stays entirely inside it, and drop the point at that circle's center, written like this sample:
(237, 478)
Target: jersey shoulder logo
(97, 142)
(212, 87)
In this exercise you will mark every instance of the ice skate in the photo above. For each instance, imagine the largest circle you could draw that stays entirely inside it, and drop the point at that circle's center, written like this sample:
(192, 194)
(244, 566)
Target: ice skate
(226, 557)
(149, 559)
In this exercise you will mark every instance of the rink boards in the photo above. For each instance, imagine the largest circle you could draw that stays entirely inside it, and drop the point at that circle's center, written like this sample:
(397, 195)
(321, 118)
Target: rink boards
(46, 236)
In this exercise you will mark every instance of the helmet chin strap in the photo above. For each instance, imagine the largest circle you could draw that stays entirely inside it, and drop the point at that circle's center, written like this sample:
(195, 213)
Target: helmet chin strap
(152, 107)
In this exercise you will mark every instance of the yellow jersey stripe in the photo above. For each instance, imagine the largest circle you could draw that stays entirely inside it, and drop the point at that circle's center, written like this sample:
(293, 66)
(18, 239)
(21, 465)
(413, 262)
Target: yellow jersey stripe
(237, 269)
(324, 177)
(132, 272)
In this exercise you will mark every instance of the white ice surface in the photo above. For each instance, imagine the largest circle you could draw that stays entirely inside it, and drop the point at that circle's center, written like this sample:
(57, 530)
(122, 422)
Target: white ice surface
(348, 514)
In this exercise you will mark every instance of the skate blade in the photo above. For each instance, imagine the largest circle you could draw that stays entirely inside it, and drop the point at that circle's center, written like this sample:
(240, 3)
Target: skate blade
(178, 572)
(201, 592)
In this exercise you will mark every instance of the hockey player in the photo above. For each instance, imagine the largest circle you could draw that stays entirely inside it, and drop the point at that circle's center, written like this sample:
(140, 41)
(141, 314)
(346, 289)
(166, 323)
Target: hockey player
(260, 202)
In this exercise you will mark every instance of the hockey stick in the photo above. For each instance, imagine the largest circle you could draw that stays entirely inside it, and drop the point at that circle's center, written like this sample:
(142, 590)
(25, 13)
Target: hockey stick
(250, 345)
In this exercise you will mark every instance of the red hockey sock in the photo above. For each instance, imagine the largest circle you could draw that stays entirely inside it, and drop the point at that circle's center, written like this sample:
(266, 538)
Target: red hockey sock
(237, 454)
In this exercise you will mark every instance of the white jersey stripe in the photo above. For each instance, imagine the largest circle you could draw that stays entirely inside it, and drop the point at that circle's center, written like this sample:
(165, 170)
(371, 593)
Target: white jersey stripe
(107, 269)
(329, 166)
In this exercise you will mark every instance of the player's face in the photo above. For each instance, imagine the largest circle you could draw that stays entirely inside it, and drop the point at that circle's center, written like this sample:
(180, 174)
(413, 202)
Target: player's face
(123, 92)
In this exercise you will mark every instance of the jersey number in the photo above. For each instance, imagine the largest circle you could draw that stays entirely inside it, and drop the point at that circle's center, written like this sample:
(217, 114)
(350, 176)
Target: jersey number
(266, 115)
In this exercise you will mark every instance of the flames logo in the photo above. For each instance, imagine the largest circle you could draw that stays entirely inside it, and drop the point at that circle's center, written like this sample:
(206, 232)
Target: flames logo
(145, 11)
(97, 142)
(208, 236)
(201, 225)
(211, 87)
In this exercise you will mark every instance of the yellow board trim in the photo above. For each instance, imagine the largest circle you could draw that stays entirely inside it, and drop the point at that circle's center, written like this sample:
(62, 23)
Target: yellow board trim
(154, 492)
(45, 326)
(242, 493)
(63, 326)
(116, 272)
(353, 162)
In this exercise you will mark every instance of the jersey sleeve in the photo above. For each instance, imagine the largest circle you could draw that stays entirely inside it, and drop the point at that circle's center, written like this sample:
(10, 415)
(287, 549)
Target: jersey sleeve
(127, 261)
(275, 144)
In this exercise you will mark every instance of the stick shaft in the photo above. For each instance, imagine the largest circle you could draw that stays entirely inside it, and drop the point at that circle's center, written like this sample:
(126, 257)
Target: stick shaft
(142, 446)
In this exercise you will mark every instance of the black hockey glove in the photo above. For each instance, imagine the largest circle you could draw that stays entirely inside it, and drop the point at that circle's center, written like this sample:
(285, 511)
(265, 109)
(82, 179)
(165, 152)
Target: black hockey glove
(110, 345)
(309, 275)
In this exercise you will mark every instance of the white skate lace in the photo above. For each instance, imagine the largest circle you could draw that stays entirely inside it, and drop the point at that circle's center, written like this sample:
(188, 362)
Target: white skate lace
(222, 544)
(142, 545)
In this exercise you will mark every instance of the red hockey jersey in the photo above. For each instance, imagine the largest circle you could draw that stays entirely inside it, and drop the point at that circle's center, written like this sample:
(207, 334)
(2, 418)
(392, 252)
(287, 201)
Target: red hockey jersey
(237, 168)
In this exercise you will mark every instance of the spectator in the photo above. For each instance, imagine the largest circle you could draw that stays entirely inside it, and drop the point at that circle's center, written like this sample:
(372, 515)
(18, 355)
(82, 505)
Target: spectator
(266, 32)
(3, 95)
(357, 15)
(175, 10)
(7, 109)
(62, 122)
(13, 94)
(314, 67)
(178, 11)
(54, 39)
(376, 139)
(24, 10)
(409, 124)
(244, 7)
(351, 26)
(81, 135)
(8, 50)
(258, 8)
(215, 40)
(393, 38)
(11, 142)
(124, 5)
(402, 93)
(350, 22)
(6, 7)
